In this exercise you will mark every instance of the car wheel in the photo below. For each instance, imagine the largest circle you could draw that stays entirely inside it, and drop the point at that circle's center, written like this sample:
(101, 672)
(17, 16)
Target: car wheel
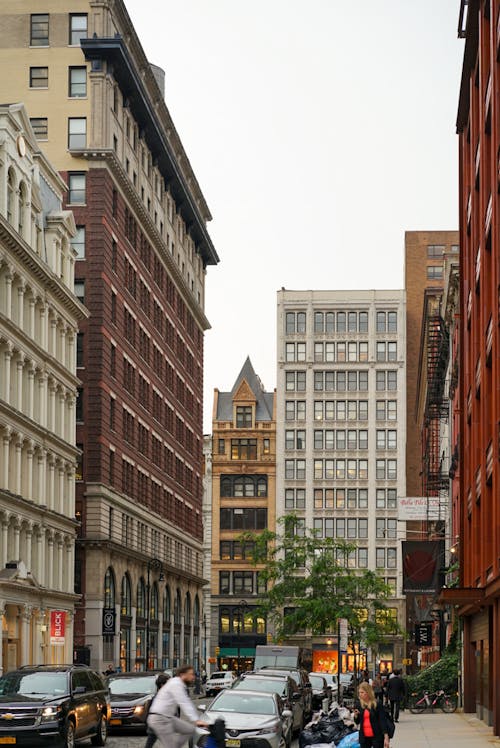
(102, 732)
(69, 735)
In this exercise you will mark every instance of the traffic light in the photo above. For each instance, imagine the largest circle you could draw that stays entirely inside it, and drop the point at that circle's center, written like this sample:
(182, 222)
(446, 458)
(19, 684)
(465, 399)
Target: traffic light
(217, 651)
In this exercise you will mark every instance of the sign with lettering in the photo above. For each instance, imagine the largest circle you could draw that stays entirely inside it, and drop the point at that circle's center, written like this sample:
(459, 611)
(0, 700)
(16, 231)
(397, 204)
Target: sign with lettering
(57, 626)
(418, 508)
(423, 634)
(108, 621)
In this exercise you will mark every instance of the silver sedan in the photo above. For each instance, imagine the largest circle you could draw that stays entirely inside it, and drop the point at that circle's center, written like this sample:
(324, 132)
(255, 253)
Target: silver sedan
(255, 715)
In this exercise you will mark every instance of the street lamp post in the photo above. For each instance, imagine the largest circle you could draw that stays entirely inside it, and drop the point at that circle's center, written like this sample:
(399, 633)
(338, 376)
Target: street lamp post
(243, 605)
(156, 565)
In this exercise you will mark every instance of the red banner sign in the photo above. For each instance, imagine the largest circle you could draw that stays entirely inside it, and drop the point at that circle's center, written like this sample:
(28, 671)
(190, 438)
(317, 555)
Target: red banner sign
(57, 626)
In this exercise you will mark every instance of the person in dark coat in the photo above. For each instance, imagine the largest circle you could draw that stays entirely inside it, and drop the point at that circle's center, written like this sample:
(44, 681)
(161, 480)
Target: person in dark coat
(395, 694)
(373, 730)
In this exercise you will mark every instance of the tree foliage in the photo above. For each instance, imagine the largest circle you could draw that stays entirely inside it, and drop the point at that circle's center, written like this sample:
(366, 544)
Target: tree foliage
(311, 586)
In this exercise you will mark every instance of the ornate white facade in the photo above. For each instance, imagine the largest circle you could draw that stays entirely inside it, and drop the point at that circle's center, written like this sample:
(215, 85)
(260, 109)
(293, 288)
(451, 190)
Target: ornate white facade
(39, 317)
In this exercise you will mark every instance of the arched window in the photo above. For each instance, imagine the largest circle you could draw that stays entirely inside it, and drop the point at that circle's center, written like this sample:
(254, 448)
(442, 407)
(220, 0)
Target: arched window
(21, 207)
(141, 599)
(167, 607)
(187, 610)
(11, 187)
(109, 588)
(196, 611)
(154, 607)
(177, 607)
(126, 596)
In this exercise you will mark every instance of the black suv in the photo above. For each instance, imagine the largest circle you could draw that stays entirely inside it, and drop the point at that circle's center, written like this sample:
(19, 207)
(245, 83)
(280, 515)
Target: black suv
(56, 705)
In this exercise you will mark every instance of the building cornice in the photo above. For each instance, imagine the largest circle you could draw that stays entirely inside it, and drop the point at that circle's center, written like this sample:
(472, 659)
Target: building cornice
(470, 54)
(17, 421)
(11, 240)
(115, 52)
(39, 512)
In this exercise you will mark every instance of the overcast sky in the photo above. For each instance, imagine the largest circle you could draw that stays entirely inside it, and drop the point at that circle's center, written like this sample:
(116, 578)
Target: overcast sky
(319, 130)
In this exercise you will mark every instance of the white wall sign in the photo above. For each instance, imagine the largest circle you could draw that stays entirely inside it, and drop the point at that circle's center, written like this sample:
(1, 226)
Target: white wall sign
(418, 508)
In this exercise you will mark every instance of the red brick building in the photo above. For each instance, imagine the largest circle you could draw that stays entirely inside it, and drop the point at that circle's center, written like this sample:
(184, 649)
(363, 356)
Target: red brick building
(478, 126)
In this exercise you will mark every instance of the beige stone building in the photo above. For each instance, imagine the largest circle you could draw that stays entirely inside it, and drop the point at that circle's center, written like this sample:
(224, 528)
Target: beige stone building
(39, 318)
(243, 498)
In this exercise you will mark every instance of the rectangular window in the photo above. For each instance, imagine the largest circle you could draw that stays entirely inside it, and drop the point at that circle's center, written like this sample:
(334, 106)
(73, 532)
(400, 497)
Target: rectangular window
(340, 528)
(77, 82)
(224, 583)
(392, 351)
(76, 184)
(362, 498)
(381, 440)
(244, 417)
(392, 501)
(363, 410)
(392, 412)
(380, 469)
(330, 352)
(77, 132)
(392, 470)
(392, 322)
(380, 528)
(39, 77)
(79, 405)
(352, 322)
(380, 381)
(380, 351)
(39, 36)
(341, 322)
(78, 242)
(79, 350)
(340, 439)
(380, 410)
(363, 528)
(434, 272)
(363, 439)
(363, 558)
(391, 558)
(79, 287)
(341, 352)
(318, 322)
(363, 322)
(352, 352)
(243, 449)
(435, 250)
(363, 352)
(392, 380)
(40, 127)
(363, 381)
(380, 558)
(77, 28)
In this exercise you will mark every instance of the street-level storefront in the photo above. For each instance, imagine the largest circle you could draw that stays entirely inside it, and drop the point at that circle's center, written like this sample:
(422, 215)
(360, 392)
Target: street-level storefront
(36, 625)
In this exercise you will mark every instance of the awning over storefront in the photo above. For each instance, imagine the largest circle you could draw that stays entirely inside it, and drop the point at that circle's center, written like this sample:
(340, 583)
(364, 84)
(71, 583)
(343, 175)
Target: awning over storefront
(462, 595)
(233, 652)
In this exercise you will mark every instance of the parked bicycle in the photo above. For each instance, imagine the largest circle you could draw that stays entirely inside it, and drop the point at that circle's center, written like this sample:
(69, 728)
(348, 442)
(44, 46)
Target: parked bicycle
(444, 701)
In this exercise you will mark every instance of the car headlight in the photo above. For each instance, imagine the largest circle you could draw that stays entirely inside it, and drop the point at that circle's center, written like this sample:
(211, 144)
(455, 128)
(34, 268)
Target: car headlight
(272, 728)
(51, 713)
(139, 709)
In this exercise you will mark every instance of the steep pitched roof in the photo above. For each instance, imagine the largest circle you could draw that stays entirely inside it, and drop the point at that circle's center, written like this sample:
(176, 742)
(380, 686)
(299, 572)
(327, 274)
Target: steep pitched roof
(249, 388)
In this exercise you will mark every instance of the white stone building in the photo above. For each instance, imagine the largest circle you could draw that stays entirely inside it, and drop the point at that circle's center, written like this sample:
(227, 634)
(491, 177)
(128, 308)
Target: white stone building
(341, 431)
(39, 318)
(207, 552)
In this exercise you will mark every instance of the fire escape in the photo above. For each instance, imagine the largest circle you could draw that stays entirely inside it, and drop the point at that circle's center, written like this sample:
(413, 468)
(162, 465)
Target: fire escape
(435, 474)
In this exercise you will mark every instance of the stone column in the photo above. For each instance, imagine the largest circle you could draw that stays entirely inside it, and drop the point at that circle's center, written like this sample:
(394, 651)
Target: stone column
(31, 321)
(9, 276)
(61, 488)
(61, 418)
(42, 394)
(50, 563)
(2, 613)
(53, 336)
(5, 546)
(7, 359)
(42, 455)
(19, 381)
(51, 424)
(60, 564)
(6, 457)
(171, 641)
(133, 636)
(69, 565)
(29, 469)
(62, 358)
(71, 360)
(19, 464)
(40, 556)
(30, 411)
(29, 536)
(17, 532)
(44, 326)
(25, 616)
(21, 289)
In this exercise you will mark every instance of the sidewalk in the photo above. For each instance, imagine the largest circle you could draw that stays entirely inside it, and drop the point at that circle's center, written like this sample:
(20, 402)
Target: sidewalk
(440, 730)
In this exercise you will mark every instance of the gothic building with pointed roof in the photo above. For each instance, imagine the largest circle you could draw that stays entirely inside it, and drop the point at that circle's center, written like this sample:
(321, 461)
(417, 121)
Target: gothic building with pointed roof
(243, 498)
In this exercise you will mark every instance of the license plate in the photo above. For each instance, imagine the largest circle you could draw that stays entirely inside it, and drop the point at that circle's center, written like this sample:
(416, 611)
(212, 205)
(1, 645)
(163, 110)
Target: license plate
(233, 743)
(9, 741)
(115, 721)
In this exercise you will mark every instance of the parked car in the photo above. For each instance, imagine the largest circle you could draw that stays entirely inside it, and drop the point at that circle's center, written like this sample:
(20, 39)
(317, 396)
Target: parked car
(301, 678)
(53, 705)
(218, 681)
(252, 718)
(332, 680)
(321, 693)
(347, 685)
(286, 688)
(131, 695)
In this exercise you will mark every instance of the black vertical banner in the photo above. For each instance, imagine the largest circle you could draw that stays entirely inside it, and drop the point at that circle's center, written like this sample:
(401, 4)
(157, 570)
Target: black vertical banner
(423, 565)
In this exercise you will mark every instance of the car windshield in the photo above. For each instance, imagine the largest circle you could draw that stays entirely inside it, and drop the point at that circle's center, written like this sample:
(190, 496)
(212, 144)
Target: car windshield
(144, 684)
(346, 677)
(218, 676)
(316, 681)
(266, 685)
(239, 703)
(34, 684)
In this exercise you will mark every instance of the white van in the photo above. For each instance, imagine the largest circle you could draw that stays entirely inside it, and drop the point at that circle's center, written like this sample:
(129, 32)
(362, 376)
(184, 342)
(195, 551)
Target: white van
(218, 681)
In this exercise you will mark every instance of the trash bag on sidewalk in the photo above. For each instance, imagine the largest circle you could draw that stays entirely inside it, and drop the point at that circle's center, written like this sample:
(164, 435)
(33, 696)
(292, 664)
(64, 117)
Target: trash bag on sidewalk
(350, 741)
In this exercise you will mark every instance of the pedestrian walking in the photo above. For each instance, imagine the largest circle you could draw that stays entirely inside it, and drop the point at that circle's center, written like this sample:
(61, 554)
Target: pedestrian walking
(173, 716)
(395, 694)
(378, 689)
(373, 728)
(160, 681)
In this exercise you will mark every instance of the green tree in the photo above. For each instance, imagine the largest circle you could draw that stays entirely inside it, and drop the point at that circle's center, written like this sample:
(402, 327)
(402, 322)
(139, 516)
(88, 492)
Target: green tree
(311, 585)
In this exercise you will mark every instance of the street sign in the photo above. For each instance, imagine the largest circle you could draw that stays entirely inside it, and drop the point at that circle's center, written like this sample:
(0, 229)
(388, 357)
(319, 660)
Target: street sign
(343, 634)
(212, 660)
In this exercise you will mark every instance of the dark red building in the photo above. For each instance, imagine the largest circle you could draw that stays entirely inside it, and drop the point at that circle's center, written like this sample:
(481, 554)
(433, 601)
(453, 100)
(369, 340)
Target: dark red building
(478, 126)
